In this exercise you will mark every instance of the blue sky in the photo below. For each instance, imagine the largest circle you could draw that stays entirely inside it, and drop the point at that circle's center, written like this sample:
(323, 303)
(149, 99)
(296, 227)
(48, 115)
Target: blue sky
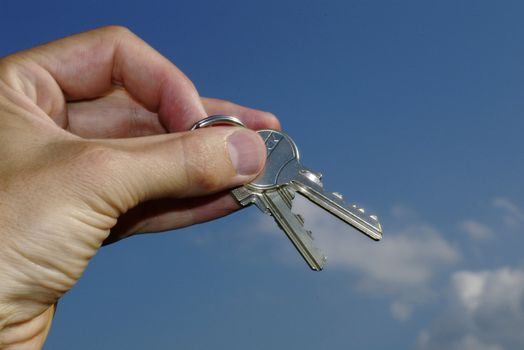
(413, 109)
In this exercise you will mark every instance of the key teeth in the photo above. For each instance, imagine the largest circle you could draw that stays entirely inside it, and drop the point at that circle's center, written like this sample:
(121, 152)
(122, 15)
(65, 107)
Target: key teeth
(371, 217)
(360, 209)
(312, 176)
(363, 211)
(302, 221)
(339, 198)
(338, 195)
(310, 234)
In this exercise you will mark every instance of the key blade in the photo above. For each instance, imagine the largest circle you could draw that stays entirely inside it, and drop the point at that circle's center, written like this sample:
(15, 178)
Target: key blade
(334, 203)
(278, 203)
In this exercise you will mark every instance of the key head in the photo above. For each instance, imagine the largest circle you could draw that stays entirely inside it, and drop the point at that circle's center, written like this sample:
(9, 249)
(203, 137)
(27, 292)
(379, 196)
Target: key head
(281, 162)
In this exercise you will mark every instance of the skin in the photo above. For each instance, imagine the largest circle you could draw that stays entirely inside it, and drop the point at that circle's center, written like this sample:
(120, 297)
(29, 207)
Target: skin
(93, 149)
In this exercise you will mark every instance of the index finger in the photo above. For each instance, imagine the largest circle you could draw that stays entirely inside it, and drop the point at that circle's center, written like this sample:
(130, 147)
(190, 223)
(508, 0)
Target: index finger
(90, 64)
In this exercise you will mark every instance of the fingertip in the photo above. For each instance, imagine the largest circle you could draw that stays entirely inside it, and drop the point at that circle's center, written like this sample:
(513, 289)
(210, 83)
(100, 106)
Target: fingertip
(253, 118)
(258, 120)
(272, 121)
(247, 152)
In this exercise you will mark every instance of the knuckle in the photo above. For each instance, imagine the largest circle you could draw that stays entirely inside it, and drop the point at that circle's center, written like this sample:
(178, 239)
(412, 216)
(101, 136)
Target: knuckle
(10, 69)
(93, 162)
(117, 31)
(94, 155)
(5, 66)
(98, 174)
(226, 107)
(227, 104)
(204, 166)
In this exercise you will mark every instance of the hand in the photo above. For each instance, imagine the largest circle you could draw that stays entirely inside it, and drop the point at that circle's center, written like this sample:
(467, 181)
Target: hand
(74, 173)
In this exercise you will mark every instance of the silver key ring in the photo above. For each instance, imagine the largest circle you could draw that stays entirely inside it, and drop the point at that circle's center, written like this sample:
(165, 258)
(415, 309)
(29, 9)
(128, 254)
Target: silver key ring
(217, 120)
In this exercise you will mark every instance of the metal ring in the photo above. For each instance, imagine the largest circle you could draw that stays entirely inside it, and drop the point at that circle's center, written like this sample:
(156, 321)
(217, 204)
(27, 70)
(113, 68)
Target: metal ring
(217, 119)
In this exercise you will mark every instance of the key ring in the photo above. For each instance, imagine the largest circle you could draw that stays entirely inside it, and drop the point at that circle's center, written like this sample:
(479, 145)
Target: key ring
(218, 120)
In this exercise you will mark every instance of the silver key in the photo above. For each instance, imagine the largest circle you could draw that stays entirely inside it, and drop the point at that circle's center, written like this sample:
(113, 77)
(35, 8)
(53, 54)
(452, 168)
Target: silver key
(278, 204)
(274, 189)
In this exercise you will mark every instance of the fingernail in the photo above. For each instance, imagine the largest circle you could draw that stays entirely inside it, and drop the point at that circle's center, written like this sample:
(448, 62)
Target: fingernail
(244, 150)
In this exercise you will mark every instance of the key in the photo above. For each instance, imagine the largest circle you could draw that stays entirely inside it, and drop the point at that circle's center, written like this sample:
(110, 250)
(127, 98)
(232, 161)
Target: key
(274, 189)
(278, 203)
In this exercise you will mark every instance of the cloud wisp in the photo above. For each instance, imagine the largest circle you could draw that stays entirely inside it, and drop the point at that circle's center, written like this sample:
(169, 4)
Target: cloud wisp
(476, 230)
(513, 216)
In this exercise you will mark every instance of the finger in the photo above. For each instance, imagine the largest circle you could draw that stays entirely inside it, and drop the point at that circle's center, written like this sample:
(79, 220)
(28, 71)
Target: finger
(116, 115)
(182, 165)
(89, 64)
(252, 118)
(171, 213)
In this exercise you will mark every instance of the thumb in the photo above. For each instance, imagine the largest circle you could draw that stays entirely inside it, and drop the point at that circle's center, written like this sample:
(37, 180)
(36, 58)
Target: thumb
(179, 165)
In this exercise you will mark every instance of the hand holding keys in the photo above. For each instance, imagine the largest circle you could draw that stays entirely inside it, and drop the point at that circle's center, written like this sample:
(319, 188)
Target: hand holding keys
(283, 176)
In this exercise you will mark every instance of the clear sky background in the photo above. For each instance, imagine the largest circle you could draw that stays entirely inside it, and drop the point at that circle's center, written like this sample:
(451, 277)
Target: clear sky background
(413, 109)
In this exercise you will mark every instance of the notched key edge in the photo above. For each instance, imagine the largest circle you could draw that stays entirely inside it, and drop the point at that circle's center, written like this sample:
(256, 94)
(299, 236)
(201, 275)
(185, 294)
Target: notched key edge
(295, 231)
(300, 237)
(337, 207)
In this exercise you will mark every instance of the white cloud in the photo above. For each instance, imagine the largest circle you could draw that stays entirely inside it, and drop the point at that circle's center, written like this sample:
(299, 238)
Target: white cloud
(513, 215)
(405, 258)
(403, 265)
(476, 230)
(468, 288)
(497, 290)
(486, 311)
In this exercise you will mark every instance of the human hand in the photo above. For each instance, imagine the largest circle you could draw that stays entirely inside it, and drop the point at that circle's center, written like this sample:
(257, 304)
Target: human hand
(75, 174)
